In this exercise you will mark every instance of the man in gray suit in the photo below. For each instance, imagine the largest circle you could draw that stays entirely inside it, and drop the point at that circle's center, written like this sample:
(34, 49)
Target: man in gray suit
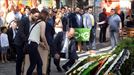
(89, 22)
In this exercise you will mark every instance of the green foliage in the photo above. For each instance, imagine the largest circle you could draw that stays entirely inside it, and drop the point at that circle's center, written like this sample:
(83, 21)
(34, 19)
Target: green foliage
(90, 67)
(82, 3)
(127, 43)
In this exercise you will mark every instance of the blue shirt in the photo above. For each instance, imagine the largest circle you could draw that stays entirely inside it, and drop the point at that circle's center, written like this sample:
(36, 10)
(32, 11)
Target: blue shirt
(114, 22)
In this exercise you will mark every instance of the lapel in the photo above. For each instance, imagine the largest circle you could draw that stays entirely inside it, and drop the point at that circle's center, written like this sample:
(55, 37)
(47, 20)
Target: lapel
(63, 38)
(11, 32)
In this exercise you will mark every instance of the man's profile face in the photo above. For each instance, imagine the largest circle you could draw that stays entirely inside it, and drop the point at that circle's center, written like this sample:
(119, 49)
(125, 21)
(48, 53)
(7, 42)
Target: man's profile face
(35, 16)
(104, 10)
(71, 33)
(90, 10)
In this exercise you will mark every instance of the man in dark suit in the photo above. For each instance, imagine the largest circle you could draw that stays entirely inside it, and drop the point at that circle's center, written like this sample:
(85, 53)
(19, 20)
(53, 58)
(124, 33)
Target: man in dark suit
(19, 42)
(65, 19)
(65, 46)
(26, 11)
(75, 19)
(11, 32)
(78, 18)
(49, 33)
(21, 38)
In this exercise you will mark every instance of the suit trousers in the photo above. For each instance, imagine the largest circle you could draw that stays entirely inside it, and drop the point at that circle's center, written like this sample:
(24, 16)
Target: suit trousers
(35, 59)
(57, 61)
(69, 63)
(19, 59)
(49, 59)
(92, 39)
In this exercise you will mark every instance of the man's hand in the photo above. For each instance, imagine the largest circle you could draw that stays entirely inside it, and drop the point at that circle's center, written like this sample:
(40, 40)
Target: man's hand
(57, 56)
(120, 31)
(76, 61)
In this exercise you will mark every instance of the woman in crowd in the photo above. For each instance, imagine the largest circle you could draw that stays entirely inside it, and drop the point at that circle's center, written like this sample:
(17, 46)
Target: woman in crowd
(58, 23)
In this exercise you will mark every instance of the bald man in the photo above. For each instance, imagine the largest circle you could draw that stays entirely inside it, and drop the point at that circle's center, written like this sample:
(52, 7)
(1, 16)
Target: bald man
(65, 46)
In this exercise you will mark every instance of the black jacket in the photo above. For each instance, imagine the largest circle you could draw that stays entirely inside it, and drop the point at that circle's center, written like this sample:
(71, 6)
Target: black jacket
(23, 32)
(58, 45)
(10, 37)
(49, 33)
(103, 17)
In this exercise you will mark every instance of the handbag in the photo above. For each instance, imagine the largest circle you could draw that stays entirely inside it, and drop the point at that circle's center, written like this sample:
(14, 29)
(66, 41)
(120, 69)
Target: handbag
(26, 45)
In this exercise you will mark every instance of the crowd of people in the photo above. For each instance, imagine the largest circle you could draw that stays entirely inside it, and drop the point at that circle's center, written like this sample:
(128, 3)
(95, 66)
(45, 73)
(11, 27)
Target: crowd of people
(53, 30)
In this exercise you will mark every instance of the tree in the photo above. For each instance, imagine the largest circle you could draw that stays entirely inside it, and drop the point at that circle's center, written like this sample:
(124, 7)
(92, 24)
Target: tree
(58, 3)
(82, 3)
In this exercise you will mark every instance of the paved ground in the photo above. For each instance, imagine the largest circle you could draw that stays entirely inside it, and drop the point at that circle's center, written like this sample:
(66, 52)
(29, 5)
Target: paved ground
(9, 68)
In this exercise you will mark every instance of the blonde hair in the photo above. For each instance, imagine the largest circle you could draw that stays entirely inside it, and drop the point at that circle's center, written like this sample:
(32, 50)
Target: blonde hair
(58, 14)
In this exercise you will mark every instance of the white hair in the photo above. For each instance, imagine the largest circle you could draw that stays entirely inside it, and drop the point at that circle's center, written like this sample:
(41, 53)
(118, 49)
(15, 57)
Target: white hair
(40, 7)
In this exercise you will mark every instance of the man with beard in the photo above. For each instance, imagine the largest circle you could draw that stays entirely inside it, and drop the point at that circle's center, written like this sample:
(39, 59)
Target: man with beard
(36, 38)
(21, 37)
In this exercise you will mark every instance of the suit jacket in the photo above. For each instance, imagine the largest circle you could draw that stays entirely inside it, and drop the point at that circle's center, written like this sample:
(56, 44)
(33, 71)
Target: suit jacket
(23, 32)
(65, 21)
(58, 45)
(72, 20)
(79, 20)
(87, 21)
(10, 37)
(49, 33)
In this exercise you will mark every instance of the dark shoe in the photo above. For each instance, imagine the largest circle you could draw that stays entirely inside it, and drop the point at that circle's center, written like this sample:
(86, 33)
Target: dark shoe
(48, 74)
(59, 69)
(101, 41)
(65, 68)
